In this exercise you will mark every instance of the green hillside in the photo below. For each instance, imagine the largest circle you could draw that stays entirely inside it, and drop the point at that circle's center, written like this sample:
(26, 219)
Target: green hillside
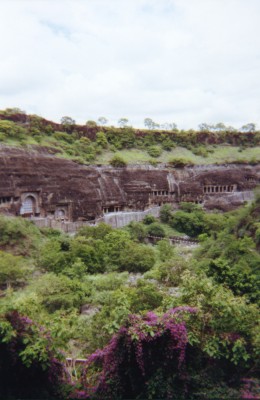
(93, 144)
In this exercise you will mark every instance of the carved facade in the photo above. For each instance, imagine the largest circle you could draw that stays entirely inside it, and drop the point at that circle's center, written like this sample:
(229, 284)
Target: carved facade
(40, 185)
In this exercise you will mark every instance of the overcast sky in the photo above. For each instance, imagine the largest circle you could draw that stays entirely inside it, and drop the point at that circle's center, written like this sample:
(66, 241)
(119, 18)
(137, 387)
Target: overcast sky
(183, 61)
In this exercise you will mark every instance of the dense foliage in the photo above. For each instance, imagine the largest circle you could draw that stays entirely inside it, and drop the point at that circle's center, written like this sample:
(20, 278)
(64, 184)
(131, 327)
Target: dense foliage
(29, 367)
(171, 321)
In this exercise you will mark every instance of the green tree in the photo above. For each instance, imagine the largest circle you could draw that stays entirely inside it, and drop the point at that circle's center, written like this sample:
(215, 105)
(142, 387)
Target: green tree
(96, 232)
(166, 213)
(169, 126)
(102, 120)
(115, 242)
(91, 123)
(155, 229)
(122, 122)
(150, 124)
(137, 231)
(52, 257)
(101, 140)
(149, 219)
(166, 250)
(251, 127)
(191, 223)
(68, 124)
(205, 127)
(60, 292)
(136, 258)
(12, 111)
(13, 270)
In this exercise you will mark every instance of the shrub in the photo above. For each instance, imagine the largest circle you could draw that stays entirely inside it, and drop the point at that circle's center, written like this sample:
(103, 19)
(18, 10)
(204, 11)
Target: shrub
(167, 144)
(189, 207)
(96, 232)
(153, 162)
(20, 234)
(101, 140)
(13, 270)
(63, 136)
(149, 219)
(137, 231)
(154, 151)
(180, 162)
(166, 213)
(155, 229)
(11, 129)
(190, 223)
(137, 258)
(117, 161)
(59, 292)
(166, 250)
(200, 151)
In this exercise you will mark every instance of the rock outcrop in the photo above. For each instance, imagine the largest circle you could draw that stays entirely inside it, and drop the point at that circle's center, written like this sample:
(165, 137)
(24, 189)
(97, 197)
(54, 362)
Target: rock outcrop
(40, 184)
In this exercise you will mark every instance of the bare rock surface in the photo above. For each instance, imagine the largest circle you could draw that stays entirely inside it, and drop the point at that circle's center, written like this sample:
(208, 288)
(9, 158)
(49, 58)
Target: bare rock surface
(38, 183)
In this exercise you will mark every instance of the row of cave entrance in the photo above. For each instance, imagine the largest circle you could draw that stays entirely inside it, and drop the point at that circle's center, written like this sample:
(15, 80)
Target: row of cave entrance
(30, 201)
(219, 188)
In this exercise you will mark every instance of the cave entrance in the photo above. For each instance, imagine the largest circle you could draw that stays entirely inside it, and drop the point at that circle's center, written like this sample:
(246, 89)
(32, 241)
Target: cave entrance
(60, 214)
(28, 206)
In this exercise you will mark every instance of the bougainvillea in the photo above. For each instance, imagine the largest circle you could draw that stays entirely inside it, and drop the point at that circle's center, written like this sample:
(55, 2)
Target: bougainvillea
(29, 367)
(136, 359)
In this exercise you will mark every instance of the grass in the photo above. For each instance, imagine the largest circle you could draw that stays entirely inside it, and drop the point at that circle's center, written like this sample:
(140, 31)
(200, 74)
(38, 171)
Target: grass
(220, 154)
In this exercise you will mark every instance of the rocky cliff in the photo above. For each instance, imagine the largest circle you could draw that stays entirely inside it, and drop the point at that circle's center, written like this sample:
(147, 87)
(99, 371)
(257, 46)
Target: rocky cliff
(40, 184)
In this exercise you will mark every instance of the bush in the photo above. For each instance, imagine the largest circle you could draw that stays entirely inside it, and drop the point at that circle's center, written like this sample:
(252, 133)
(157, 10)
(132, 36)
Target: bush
(96, 232)
(180, 162)
(137, 258)
(12, 130)
(117, 161)
(200, 151)
(60, 292)
(153, 162)
(63, 136)
(137, 231)
(154, 151)
(167, 144)
(149, 219)
(101, 140)
(166, 213)
(20, 234)
(189, 207)
(190, 223)
(155, 229)
(13, 271)
(166, 250)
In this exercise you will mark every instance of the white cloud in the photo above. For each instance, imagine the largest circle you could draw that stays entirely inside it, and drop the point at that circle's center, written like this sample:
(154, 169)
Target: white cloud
(172, 60)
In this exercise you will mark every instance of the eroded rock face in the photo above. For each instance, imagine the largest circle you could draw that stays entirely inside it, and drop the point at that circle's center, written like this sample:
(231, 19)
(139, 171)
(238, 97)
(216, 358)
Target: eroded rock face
(40, 184)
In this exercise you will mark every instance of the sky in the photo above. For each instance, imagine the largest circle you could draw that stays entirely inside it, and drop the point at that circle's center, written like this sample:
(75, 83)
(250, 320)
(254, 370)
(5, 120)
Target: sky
(182, 61)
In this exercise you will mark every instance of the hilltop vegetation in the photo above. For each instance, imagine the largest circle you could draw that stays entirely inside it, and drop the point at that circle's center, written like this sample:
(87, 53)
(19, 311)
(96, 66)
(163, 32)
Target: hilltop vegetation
(96, 143)
(172, 321)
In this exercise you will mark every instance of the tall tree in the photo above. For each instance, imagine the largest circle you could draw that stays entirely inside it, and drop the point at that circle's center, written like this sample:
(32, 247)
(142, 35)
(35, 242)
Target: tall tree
(122, 122)
(102, 120)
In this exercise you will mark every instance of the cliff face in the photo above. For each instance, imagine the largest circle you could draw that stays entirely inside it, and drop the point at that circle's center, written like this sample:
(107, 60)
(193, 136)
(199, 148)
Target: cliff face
(33, 183)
